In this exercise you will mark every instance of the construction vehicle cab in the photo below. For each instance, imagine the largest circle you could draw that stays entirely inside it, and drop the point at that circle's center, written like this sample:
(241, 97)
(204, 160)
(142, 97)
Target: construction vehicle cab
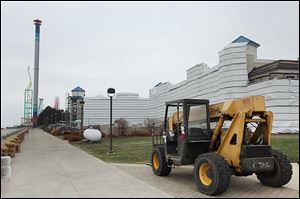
(241, 147)
(186, 131)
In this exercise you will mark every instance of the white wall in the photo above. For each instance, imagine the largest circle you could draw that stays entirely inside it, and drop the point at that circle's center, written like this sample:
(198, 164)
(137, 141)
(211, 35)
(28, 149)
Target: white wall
(125, 105)
(229, 80)
(282, 98)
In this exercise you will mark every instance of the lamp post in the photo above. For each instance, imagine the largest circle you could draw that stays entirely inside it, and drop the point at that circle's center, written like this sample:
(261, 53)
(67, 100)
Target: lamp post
(111, 94)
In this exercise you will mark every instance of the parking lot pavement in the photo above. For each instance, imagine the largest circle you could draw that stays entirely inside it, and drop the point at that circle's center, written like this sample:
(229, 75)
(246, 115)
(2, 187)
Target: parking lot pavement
(180, 183)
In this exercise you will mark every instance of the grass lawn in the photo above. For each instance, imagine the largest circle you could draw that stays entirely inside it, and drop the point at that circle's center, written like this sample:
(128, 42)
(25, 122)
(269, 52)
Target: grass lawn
(288, 144)
(138, 149)
(127, 149)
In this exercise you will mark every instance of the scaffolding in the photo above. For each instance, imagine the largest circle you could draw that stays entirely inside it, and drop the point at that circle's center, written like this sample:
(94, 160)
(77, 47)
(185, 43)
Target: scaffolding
(27, 119)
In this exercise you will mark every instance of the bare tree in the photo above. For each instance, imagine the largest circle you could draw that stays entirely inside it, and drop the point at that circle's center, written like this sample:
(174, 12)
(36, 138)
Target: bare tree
(122, 126)
(152, 124)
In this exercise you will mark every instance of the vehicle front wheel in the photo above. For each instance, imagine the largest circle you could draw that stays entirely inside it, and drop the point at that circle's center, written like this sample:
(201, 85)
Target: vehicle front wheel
(159, 162)
(211, 173)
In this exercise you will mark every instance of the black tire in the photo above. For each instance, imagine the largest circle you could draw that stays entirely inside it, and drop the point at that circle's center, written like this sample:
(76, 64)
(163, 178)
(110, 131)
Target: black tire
(282, 173)
(159, 163)
(215, 174)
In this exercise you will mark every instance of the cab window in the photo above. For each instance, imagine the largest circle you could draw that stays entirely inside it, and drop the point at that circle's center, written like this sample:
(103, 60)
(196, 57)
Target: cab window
(197, 119)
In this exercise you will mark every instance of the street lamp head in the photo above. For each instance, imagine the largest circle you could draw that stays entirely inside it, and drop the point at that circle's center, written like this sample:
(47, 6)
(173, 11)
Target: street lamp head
(111, 92)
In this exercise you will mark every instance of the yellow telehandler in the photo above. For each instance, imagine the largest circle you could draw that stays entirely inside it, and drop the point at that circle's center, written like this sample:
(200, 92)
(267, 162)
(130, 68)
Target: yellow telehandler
(241, 149)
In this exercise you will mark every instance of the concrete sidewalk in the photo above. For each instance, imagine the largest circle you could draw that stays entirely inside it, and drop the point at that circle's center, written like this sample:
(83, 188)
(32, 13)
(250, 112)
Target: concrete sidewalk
(50, 167)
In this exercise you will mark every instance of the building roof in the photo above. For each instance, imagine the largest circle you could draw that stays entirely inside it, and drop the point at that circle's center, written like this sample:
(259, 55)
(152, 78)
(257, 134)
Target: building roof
(158, 84)
(242, 39)
(77, 89)
(275, 67)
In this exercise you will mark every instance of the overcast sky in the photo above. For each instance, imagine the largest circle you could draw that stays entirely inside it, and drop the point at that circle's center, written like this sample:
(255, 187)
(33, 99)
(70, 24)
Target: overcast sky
(130, 46)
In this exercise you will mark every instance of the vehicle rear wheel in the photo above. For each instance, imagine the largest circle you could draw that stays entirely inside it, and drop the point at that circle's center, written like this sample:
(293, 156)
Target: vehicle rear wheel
(282, 173)
(159, 162)
(211, 173)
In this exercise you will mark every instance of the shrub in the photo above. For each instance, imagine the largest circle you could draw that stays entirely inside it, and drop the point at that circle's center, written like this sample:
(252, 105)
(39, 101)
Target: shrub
(73, 137)
(56, 131)
(137, 132)
(153, 125)
(97, 126)
(122, 126)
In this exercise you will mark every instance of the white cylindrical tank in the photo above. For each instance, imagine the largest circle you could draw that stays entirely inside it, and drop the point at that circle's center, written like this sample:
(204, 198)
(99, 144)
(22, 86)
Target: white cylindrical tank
(93, 135)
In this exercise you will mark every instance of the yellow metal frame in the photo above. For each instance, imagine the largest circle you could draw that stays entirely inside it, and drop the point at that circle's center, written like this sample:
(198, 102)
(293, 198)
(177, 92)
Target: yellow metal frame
(231, 151)
(240, 112)
(231, 107)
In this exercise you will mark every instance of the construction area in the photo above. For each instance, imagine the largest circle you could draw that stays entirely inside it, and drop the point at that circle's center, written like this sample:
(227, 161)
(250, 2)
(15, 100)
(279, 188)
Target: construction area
(208, 135)
(214, 138)
(240, 73)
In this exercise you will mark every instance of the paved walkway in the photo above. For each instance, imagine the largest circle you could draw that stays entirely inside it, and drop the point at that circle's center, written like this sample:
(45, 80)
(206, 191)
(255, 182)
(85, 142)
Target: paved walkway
(49, 167)
(180, 183)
